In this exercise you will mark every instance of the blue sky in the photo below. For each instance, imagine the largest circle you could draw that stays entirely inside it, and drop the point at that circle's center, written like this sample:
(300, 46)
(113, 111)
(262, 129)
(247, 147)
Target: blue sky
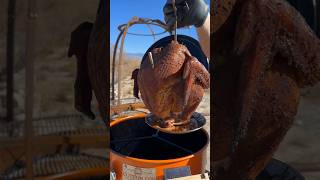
(121, 11)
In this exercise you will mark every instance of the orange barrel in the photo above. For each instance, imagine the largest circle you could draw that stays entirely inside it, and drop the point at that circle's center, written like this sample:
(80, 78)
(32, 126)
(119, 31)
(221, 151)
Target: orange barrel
(136, 153)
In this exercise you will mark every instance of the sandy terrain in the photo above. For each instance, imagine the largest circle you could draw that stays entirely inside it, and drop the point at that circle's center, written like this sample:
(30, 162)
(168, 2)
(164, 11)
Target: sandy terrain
(301, 146)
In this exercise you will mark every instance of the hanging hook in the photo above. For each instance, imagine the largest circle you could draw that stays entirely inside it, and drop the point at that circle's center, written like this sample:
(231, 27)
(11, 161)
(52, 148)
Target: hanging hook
(176, 20)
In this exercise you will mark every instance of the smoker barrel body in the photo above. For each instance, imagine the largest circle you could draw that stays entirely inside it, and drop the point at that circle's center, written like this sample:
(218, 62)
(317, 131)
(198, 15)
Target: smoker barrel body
(149, 157)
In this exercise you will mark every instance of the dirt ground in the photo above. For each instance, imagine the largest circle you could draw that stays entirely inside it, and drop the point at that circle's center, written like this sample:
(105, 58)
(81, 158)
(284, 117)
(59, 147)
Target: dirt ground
(54, 78)
(301, 146)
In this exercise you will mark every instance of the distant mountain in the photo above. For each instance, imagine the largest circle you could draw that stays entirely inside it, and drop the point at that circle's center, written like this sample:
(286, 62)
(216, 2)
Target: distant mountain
(135, 55)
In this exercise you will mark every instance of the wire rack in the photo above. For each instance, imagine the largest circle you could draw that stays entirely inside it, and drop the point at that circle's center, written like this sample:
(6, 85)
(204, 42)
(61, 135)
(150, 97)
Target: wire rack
(62, 125)
(71, 129)
(57, 164)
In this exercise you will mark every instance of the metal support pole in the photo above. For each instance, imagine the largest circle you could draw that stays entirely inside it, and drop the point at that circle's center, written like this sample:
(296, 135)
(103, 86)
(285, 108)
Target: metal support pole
(113, 65)
(176, 20)
(120, 57)
(318, 18)
(30, 52)
(10, 58)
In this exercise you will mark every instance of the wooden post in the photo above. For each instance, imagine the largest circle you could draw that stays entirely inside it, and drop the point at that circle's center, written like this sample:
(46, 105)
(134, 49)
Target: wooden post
(10, 58)
(30, 51)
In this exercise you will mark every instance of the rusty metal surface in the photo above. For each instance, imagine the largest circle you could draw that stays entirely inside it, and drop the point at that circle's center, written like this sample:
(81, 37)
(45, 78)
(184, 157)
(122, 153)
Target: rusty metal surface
(31, 23)
(128, 106)
(265, 53)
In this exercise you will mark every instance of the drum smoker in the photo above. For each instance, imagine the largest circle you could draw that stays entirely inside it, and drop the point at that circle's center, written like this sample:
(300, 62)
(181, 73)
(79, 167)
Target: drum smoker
(138, 151)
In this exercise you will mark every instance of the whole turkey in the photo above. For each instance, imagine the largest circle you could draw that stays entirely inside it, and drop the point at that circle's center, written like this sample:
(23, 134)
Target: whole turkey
(264, 53)
(172, 83)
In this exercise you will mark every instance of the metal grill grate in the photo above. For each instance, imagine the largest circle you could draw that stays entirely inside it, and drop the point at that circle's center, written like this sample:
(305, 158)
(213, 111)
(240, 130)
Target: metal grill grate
(125, 101)
(65, 125)
(58, 164)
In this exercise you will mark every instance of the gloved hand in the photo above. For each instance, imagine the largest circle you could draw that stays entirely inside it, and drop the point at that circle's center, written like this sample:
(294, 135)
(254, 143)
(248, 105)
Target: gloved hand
(189, 12)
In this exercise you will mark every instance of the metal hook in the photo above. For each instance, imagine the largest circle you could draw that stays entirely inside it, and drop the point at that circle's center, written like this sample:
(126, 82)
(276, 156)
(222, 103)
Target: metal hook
(176, 20)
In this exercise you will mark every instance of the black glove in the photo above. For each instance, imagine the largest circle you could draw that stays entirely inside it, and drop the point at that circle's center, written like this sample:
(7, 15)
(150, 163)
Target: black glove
(189, 12)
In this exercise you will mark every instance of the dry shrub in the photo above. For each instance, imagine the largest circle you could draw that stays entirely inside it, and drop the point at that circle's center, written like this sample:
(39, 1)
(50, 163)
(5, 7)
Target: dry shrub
(129, 64)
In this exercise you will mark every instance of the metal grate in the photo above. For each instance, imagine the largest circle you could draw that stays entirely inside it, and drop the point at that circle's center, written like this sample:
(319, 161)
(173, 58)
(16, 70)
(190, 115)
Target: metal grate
(58, 164)
(65, 125)
(125, 101)
(127, 107)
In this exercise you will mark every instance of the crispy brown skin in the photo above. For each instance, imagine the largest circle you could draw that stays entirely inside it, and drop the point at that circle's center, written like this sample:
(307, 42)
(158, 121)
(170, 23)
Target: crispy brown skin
(265, 52)
(97, 60)
(176, 83)
(224, 9)
(134, 76)
(79, 47)
(88, 43)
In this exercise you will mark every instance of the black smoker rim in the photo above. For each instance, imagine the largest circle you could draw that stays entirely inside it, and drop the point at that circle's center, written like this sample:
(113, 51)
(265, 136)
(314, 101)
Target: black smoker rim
(156, 160)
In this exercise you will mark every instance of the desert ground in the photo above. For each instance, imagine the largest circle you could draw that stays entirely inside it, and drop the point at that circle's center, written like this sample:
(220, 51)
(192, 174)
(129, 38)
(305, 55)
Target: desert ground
(55, 73)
